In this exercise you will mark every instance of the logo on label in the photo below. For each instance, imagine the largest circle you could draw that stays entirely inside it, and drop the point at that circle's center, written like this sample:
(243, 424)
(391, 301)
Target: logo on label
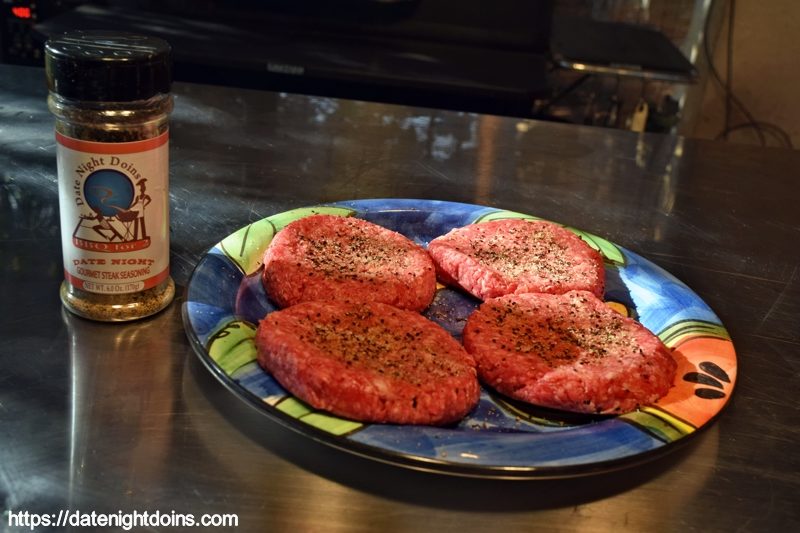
(115, 221)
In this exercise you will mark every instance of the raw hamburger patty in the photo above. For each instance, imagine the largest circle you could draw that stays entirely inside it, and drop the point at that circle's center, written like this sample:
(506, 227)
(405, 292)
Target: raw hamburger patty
(515, 256)
(326, 257)
(369, 362)
(567, 352)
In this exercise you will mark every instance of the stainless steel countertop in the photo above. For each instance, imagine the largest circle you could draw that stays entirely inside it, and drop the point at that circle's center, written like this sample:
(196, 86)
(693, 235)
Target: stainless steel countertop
(104, 418)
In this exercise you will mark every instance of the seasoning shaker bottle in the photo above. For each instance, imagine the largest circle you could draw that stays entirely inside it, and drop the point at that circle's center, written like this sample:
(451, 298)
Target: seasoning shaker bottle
(110, 94)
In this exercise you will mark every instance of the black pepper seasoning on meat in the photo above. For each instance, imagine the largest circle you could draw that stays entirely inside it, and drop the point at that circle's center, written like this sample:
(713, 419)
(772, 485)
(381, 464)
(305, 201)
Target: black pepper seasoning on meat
(110, 95)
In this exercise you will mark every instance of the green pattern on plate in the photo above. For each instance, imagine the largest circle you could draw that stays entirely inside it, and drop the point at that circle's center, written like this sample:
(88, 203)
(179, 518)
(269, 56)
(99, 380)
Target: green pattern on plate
(502, 215)
(246, 246)
(330, 424)
(693, 328)
(233, 346)
(608, 250)
(659, 427)
(282, 219)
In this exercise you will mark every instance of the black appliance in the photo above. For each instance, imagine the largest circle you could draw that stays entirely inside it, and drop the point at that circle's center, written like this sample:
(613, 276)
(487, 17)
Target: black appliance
(20, 42)
(486, 56)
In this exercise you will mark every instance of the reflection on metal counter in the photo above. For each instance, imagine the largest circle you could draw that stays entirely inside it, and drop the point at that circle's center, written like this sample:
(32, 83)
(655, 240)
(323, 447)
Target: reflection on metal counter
(115, 381)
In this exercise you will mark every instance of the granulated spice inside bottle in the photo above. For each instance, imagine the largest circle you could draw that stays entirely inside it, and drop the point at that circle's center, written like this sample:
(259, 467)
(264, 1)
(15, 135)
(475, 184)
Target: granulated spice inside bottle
(110, 95)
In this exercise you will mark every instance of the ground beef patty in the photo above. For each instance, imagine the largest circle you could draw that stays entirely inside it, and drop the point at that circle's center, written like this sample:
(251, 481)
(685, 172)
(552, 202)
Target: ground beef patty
(369, 362)
(514, 256)
(326, 257)
(568, 352)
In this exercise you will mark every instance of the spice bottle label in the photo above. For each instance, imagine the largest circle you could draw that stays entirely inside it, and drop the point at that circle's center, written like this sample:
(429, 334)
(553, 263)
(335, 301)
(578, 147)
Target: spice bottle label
(114, 205)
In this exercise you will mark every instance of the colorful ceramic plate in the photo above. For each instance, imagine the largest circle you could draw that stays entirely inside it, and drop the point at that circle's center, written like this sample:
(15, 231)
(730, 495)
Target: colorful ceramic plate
(500, 438)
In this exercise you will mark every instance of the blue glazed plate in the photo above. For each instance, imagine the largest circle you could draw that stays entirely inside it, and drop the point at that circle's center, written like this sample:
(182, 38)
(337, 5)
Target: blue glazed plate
(501, 438)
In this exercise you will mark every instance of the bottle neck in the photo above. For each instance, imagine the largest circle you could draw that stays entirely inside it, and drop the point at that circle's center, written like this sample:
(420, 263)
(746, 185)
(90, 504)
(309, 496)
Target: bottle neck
(111, 121)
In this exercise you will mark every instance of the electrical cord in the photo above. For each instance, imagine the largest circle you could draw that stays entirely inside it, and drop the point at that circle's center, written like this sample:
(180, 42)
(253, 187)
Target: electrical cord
(765, 127)
(729, 70)
(761, 128)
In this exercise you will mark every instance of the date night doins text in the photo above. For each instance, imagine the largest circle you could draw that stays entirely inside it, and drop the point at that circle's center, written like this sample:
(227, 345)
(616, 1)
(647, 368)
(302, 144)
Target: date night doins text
(97, 162)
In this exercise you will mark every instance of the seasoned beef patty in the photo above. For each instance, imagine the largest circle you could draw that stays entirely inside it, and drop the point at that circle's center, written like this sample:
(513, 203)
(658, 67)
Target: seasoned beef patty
(369, 362)
(568, 352)
(514, 256)
(326, 257)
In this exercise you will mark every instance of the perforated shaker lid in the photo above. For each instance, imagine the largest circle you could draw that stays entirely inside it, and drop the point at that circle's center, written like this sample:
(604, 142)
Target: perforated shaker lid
(103, 66)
